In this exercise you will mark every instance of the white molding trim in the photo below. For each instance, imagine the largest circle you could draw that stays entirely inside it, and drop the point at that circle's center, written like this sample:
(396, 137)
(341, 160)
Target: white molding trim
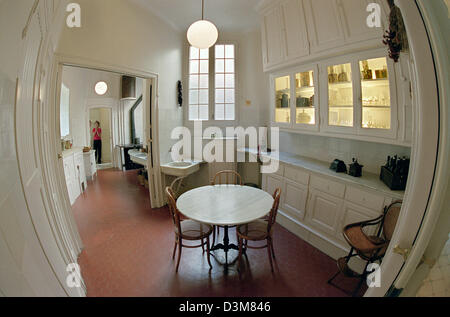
(423, 156)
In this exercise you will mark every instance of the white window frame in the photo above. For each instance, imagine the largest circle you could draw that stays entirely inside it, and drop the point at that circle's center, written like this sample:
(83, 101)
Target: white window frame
(212, 88)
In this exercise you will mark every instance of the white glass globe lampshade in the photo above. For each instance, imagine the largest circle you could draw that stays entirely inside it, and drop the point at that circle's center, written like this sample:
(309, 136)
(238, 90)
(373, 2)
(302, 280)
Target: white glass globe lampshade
(101, 88)
(202, 34)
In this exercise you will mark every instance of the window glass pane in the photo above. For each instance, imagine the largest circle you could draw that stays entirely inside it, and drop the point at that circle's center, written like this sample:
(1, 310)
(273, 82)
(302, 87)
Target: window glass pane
(204, 53)
(376, 95)
(229, 96)
(203, 112)
(193, 69)
(194, 53)
(220, 96)
(229, 112)
(282, 99)
(220, 81)
(193, 112)
(204, 67)
(193, 97)
(220, 112)
(304, 94)
(229, 65)
(220, 66)
(193, 81)
(220, 51)
(229, 51)
(203, 100)
(340, 95)
(229, 80)
(204, 81)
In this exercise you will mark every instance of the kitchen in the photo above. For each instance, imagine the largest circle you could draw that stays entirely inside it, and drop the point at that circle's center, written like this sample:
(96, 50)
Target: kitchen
(314, 88)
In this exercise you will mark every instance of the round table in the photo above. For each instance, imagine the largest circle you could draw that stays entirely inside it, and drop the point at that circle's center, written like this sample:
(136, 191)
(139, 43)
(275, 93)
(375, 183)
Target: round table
(225, 205)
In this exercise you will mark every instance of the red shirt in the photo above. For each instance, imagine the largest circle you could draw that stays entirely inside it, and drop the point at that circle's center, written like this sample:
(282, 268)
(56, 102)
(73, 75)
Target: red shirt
(97, 133)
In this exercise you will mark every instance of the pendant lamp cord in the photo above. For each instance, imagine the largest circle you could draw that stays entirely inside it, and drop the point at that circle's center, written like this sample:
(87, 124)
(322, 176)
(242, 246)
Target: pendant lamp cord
(203, 9)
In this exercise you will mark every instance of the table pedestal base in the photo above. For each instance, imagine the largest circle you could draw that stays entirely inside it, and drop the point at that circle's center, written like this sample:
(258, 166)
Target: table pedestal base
(225, 253)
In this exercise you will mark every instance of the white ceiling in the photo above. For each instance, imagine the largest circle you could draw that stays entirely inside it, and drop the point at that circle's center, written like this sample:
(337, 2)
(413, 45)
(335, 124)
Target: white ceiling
(228, 15)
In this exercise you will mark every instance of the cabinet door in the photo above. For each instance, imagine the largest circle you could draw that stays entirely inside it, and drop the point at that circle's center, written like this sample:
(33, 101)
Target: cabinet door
(271, 42)
(271, 183)
(354, 16)
(294, 30)
(352, 213)
(324, 24)
(324, 212)
(295, 197)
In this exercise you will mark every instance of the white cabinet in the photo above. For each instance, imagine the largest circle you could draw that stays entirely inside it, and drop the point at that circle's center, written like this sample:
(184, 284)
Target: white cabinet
(324, 212)
(317, 208)
(352, 213)
(284, 33)
(324, 23)
(272, 42)
(293, 29)
(90, 165)
(354, 16)
(295, 198)
(80, 170)
(72, 177)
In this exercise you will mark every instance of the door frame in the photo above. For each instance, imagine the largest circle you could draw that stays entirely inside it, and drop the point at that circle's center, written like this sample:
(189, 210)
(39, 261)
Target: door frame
(104, 104)
(422, 190)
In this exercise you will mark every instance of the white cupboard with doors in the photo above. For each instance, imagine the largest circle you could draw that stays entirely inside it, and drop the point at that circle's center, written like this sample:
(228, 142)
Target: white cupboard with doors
(316, 207)
(90, 165)
(297, 31)
(74, 172)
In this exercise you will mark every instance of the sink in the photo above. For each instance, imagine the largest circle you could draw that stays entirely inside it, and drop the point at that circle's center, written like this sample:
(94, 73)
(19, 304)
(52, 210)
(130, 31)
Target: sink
(138, 157)
(180, 169)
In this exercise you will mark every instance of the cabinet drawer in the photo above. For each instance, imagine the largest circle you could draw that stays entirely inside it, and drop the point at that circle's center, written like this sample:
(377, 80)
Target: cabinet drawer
(363, 198)
(296, 175)
(280, 171)
(328, 186)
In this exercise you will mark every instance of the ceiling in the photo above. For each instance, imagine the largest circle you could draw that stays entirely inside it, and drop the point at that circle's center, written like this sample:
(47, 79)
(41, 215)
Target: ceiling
(228, 15)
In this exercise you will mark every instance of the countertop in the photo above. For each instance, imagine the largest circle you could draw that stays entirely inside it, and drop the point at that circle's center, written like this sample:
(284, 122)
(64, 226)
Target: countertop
(71, 151)
(368, 180)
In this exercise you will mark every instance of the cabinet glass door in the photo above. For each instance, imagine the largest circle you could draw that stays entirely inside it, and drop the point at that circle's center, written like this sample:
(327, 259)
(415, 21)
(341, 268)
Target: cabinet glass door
(375, 93)
(340, 95)
(283, 99)
(304, 98)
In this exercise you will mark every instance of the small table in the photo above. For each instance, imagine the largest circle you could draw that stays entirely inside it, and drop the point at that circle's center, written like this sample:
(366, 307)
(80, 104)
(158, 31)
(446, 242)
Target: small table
(225, 205)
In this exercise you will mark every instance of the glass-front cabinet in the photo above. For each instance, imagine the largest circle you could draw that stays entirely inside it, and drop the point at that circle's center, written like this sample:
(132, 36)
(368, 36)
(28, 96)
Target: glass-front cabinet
(353, 95)
(296, 102)
(375, 94)
(340, 95)
(359, 99)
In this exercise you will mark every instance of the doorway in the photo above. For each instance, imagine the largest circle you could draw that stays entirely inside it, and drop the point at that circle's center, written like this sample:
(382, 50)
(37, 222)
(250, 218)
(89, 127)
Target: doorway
(101, 118)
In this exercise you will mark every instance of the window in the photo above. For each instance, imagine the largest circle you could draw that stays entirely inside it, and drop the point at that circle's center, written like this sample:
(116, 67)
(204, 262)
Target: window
(198, 84)
(225, 82)
(65, 111)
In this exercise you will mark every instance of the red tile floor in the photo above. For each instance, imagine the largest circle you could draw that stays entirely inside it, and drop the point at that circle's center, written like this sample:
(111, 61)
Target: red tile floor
(128, 252)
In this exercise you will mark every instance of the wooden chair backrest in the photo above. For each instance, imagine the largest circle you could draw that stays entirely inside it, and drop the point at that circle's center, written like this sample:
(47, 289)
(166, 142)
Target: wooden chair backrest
(231, 178)
(390, 219)
(274, 211)
(173, 208)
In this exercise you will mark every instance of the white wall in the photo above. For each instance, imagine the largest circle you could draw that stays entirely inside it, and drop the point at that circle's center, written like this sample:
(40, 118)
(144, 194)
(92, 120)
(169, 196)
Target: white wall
(121, 33)
(81, 83)
(24, 267)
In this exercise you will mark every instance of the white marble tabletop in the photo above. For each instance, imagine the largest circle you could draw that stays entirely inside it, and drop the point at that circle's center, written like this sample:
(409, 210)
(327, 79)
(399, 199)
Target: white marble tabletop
(225, 205)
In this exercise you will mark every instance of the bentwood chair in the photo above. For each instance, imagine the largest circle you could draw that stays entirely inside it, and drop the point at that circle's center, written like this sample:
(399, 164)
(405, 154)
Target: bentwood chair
(188, 230)
(370, 248)
(226, 177)
(259, 230)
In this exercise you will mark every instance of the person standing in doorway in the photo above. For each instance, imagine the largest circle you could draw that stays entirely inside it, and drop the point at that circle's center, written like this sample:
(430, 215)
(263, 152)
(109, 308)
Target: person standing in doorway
(97, 136)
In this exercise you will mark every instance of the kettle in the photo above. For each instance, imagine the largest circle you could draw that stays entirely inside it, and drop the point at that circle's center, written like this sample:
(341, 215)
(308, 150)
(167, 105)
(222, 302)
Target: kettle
(355, 169)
